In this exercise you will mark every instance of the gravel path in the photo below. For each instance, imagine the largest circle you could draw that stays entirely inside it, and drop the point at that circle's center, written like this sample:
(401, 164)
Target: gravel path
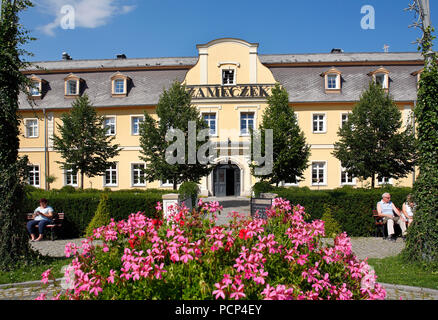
(363, 247)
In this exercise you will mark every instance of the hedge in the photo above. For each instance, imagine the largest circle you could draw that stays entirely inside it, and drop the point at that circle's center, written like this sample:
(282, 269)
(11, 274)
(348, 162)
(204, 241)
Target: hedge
(80, 207)
(352, 208)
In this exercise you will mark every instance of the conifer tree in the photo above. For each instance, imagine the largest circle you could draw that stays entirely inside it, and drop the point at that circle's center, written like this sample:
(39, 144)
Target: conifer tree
(83, 143)
(372, 142)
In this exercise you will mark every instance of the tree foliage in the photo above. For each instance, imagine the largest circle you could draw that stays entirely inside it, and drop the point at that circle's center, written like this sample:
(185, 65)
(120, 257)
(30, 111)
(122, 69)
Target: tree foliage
(372, 142)
(83, 143)
(14, 242)
(174, 111)
(422, 239)
(290, 151)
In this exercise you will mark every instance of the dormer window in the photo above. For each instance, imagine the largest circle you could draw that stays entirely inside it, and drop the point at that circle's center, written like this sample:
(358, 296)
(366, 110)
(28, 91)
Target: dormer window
(332, 80)
(119, 85)
(228, 77)
(381, 77)
(417, 74)
(36, 89)
(72, 85)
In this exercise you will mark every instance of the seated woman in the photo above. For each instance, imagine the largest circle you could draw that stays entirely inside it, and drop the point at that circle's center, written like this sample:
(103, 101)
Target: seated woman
(408, 209)
(42, 216)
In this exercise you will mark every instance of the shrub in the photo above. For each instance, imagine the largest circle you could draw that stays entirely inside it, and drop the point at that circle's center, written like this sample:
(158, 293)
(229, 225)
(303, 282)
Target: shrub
(331, 226)
(189, 189)
(102, 216)
(67, 189)
(188, 257)
(262, 187)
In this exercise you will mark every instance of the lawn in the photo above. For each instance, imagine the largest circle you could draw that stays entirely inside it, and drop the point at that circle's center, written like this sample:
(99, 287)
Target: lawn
(34, 271)
(393, 270)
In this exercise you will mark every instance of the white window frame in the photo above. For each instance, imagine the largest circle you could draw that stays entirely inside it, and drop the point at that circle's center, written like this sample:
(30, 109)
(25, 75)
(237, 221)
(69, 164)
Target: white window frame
(324, 122)
(132, 124)
(115, 125)
(140, 184)
(234, 76)
(69, 173)
(385, 79)
(324, 183)
(37, 129)
(116, 175)
(284, 184)
(67, 87)
(242, 134)
(115, 86)
(338, 81)
(39, 175)
(36, 85)
(390, 181)
(215, 134)
(353, 183)
(344, 114)
(167, 184)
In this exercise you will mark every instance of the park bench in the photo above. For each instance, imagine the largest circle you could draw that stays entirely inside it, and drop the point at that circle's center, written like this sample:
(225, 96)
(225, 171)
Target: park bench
(58, 219)
(380, 225)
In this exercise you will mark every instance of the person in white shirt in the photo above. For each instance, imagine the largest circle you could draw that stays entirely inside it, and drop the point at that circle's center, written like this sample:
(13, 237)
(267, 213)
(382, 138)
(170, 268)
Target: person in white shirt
(42, 216)
(409, 209)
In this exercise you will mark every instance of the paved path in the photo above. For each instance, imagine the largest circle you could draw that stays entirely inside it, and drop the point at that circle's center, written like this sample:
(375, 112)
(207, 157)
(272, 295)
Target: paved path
(363, 247)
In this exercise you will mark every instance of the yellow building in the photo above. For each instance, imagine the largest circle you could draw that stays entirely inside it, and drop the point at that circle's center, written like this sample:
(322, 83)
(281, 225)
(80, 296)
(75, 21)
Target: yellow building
(229, 82)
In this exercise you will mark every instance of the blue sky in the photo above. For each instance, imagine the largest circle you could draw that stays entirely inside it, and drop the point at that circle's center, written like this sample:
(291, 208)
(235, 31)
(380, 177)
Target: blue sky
(170, 28)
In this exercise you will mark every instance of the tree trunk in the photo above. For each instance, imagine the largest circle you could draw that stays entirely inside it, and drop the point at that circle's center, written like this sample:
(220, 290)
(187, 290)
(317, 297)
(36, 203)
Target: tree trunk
(82, 180)
(175, 185)
(372, 181)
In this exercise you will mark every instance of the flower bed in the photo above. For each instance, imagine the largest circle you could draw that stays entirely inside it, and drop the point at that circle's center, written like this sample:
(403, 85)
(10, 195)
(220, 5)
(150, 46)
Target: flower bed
(187, 256)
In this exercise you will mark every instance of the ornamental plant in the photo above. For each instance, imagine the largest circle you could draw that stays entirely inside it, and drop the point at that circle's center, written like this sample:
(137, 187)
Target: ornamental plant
(186, 256)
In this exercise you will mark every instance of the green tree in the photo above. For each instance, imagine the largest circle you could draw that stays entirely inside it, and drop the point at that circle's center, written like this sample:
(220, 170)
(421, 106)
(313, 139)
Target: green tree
(422, 239)
(102, 217)
(174, 111)
(290, 151)
(372, 142)
(83, 143)
(14, 242)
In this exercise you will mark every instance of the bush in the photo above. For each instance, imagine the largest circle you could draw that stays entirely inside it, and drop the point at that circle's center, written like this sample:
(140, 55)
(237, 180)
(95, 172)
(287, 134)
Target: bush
(190, 258)
(68, 189)
(80, 207)
(189, 189)
(331, 226)
(262, 187)
(101, 217)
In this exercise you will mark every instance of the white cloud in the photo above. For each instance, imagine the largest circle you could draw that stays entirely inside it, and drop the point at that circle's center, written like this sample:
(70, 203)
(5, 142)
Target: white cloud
(87, 14)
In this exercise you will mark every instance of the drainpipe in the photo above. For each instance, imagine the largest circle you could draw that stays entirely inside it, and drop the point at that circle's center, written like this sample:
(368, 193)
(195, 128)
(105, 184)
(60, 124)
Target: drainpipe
(45, 149)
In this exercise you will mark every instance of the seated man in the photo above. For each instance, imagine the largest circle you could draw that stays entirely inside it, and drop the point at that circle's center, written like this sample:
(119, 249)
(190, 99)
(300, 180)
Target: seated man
(42, 216)
(386, 209)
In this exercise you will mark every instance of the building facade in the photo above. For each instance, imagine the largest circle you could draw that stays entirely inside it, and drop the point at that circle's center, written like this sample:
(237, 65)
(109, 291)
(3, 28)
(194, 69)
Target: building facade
(229, 82)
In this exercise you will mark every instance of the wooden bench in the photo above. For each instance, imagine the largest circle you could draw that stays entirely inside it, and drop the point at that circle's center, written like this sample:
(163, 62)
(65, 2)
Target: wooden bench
(58, 220)
(380, 225)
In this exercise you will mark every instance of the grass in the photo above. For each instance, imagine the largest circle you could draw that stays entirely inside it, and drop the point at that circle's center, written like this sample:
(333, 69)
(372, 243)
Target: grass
(395, 271)
(33, 272)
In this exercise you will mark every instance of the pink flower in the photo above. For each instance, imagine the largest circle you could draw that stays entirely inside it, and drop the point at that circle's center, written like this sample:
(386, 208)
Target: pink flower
(219, 292)
(45, 276)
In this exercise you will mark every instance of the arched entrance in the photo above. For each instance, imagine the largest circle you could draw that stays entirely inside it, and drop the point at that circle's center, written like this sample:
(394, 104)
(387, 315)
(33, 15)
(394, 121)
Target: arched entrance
(226, 180)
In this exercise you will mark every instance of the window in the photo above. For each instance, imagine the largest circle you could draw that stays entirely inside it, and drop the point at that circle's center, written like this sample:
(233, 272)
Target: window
(31, 128)
(119, 86)
(72, 87)
(110, 125)
(319, 125)
(70, 178)
(319, 173)
(384, 180)
(34, 175)
(210, 118)
(111, 176)
(332, 81)
(346, 179)
(228, 77)
(138, 175)
(246, 122)
(290, 184)
(344, 119)
(166, 183)
(381, 80)
(35, 90)
(135, 124)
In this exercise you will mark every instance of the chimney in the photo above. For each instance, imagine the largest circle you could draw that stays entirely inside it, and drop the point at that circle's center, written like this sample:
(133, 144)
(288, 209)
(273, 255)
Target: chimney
(121, 56)
(337, 50)
(66, 56)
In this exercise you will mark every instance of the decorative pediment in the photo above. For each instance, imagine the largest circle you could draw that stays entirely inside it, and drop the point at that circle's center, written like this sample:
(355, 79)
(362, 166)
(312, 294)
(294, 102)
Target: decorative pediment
(332, 70)
(379, 70)
(119, 75)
